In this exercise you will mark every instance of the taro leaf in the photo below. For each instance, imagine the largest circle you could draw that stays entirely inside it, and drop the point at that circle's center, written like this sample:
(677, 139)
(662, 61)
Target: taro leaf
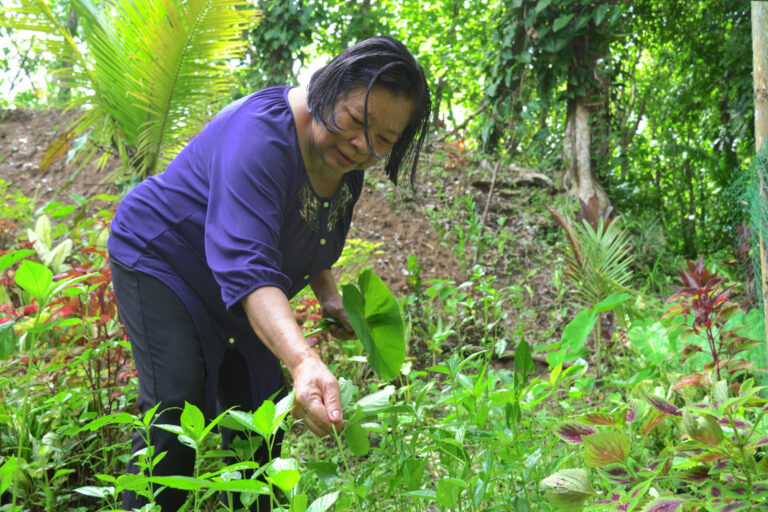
(34, 278)
(605, 448)
(568, 488)
(663, 505)
(651, 340)
(357, 439)
(611, 302)
(375, 316)
(572, 432)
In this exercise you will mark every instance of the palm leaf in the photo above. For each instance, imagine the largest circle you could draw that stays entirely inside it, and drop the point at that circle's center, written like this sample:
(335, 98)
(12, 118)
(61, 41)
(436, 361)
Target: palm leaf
(51, 37)
(162, 64)
(605, 260)
(153, 69)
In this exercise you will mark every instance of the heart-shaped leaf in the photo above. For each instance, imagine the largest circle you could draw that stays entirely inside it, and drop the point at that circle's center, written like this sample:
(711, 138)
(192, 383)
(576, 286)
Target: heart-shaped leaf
(375, 316)
(34, 278)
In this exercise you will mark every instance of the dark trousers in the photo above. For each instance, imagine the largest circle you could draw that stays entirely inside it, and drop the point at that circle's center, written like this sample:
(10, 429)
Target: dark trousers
(169, 360)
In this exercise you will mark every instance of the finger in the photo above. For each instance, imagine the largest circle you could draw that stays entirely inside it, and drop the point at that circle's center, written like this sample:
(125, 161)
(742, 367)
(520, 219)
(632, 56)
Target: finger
(345, 321)
(332, 401)
(317, 416)
(301, 414)
(340, 332)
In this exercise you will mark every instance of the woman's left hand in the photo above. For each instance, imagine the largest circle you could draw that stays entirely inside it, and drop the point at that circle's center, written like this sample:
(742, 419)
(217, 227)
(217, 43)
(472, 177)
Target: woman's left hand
(335, 309)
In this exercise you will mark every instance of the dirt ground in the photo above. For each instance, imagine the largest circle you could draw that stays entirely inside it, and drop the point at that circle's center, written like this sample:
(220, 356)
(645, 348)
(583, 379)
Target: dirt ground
(25, 135)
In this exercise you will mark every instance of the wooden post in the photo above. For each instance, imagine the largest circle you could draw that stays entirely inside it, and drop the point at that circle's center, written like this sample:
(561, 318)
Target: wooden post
(760, 62)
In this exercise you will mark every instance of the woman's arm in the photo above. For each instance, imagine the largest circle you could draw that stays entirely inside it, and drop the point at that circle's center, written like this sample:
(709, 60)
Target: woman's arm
(327, 293)
(317, 399)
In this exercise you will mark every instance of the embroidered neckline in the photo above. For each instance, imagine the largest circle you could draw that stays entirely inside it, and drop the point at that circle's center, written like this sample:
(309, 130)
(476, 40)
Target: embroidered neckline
(311, 206)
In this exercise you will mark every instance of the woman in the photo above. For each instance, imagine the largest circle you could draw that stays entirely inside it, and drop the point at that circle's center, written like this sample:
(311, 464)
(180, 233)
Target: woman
(206, 255)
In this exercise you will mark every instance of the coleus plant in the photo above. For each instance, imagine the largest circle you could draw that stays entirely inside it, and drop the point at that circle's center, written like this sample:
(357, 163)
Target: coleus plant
(703, 297)
(655, 456)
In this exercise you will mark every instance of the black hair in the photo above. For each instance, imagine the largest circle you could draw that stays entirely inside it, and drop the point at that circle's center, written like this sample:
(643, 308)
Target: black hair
(384, 62)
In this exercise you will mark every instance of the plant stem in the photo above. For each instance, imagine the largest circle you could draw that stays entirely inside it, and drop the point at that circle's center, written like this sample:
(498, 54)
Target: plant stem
(358, 505)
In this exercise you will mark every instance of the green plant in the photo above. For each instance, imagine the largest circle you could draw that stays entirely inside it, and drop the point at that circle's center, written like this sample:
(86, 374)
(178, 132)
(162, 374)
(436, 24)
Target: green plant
(243, 476)
(151, 69)
(598, 263)
(37, 281)
(703, 297)
(707, 454)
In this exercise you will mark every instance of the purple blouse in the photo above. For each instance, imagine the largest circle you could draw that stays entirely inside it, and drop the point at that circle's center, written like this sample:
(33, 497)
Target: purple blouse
(234, 211)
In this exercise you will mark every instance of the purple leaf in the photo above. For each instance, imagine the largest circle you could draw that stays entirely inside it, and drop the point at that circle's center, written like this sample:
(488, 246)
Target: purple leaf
(735, 423)
(598, 418)
(619, 475)
(663, 405)
(663, 505)
(762, 441)
(572, 432)
(632, 412)
(733, 506)
(697, 474)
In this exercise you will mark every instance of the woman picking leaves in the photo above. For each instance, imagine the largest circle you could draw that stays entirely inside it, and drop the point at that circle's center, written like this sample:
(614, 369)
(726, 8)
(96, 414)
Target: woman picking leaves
(206, 255)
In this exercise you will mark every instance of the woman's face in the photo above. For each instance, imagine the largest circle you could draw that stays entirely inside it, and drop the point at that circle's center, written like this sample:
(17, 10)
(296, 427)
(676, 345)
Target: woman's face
(346, 150)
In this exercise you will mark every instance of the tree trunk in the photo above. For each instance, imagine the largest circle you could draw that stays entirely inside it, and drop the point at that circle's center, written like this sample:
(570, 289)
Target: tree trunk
(760, 73)
(578, 175)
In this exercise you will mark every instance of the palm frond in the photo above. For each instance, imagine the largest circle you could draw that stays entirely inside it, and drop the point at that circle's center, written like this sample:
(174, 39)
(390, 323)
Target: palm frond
(50, 38)
(605, 261)
(153, 69)
(161, 65)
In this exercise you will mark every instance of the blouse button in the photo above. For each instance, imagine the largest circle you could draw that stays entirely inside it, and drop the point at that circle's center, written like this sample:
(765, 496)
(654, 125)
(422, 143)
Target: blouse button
(322, 241)
(231, 341)
(326, 204)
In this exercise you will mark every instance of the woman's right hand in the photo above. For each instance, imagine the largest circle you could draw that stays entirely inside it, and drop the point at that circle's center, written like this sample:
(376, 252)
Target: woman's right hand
(317, 400)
